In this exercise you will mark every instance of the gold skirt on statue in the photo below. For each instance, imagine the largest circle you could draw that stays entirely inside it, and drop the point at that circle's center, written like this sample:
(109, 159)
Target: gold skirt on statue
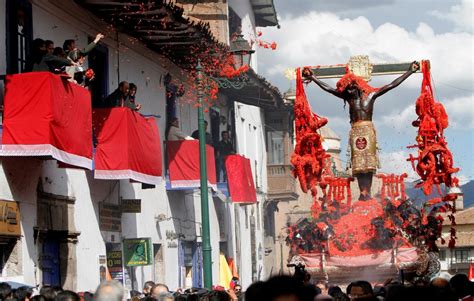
(363, 143)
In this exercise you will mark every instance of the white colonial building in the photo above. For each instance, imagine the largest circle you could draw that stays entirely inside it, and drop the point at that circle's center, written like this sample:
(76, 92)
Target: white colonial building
(66, 227)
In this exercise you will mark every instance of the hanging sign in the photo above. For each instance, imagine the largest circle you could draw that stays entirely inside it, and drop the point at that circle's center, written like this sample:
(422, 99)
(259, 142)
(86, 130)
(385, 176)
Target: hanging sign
(131, 205)
(137, 252)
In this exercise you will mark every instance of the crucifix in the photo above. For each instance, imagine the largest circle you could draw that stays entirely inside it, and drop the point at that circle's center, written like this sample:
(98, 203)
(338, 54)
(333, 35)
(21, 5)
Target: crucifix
(353, 89)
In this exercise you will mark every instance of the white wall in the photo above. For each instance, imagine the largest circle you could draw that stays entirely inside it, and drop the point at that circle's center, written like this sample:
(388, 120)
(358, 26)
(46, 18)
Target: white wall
(60, 20)
(243, 8)
(18, 182)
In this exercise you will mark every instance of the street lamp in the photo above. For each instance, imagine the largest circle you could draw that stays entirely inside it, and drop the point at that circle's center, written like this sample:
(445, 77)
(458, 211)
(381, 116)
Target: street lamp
(241, 51)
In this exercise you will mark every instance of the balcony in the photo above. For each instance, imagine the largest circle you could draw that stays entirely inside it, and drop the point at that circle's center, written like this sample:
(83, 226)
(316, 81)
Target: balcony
(281, 183)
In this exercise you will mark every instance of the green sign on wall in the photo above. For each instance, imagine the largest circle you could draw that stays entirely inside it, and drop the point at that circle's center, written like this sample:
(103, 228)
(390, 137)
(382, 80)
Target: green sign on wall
(137, 252)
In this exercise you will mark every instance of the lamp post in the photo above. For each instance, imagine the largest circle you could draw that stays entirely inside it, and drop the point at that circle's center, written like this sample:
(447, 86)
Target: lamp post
(206, 233)
(241, 51)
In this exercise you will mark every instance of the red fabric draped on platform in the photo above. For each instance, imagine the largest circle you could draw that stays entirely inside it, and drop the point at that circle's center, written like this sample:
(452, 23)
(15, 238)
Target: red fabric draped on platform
(184, 170)
(45, 115)
(239, 175)
(129, 146)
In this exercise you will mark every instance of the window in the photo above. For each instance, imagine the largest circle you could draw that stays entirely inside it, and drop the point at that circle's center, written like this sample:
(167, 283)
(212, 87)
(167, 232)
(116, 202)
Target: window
(235, 22)
(19, 34)
(442, 255)
(276, 152)
(461, 256)
(188, 251)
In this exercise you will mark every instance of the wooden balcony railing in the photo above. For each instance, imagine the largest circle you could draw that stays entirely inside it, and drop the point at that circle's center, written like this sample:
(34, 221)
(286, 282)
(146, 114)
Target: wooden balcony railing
(281, 183)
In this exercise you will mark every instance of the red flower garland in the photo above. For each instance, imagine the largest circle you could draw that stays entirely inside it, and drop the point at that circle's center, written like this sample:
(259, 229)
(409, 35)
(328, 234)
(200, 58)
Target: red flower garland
(308, 158)
(434, 161)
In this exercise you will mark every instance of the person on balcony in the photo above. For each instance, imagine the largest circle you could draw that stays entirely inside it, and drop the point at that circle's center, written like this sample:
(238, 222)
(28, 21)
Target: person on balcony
(224, 148)
(195, 134)
(76, 73)
(119, 97)
(70, 45)
(41, 60)
(131, 103)
(173, 133)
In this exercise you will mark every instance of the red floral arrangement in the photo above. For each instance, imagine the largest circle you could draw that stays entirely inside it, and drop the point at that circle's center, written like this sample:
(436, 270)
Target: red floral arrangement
(309, 156)
(89, 74)
(434, 162)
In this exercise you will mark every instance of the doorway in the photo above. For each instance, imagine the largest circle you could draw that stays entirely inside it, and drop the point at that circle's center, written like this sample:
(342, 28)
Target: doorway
(50, 262)
(98, 60)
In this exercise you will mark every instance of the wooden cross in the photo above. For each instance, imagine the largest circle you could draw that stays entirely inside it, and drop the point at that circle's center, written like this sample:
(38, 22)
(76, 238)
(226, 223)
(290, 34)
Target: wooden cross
(361, 66)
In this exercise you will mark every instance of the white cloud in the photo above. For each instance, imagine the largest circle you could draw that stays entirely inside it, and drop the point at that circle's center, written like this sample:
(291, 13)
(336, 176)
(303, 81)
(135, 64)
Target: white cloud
(461, 112)
(461, 15)
(463, 179)
(399, 120)
(396, 163)
(325, 38)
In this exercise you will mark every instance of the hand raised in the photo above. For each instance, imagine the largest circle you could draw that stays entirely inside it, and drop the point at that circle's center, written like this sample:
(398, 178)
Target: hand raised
(415, 66)
(307, 72)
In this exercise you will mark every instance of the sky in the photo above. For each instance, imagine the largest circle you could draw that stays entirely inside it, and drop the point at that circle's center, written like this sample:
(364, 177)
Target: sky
(322, 32)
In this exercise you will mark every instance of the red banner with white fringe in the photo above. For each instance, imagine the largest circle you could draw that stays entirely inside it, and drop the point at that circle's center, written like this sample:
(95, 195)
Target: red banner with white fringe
(184, 170)
(128, 146)
(46, 115)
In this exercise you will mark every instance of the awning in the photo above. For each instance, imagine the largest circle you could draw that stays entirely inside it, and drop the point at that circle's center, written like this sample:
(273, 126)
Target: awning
(45, 115)
(257, 92)
(128, 146)
(162, 26)
(265, 13)
(184, 170)
(239, 176)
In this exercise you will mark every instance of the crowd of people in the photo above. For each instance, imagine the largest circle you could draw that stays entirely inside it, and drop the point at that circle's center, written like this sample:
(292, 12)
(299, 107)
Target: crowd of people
(69, 61)
(278, 288)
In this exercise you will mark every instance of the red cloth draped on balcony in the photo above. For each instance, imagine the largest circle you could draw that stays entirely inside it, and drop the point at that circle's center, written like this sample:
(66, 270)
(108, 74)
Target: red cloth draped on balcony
(184, 170)
(46, 115)
(239, 176)
(128, 146)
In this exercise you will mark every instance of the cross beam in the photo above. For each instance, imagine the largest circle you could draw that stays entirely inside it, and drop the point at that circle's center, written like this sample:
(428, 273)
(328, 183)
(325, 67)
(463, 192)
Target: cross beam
(361, 66)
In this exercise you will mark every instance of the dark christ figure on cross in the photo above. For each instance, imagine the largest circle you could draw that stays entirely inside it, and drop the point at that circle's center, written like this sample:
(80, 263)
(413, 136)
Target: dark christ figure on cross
(362, 138)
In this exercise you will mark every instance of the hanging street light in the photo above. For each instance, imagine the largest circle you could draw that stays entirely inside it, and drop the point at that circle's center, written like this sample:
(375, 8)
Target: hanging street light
(241, 51)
